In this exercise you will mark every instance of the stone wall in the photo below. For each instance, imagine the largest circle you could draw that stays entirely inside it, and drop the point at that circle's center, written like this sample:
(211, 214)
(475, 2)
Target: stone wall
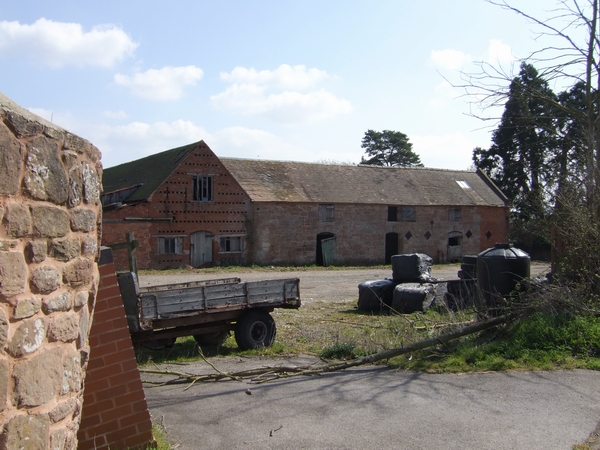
(49, 234)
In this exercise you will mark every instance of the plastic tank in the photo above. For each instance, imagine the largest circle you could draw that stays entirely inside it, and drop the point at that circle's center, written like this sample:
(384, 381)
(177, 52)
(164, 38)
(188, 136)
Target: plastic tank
(499, 269)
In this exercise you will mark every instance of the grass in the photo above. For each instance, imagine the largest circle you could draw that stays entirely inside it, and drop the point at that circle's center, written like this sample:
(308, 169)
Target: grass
(337, 330)
(160, 436)
(541, 342)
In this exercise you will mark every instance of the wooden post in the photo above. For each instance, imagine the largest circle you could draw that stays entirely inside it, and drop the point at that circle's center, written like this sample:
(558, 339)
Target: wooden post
(130, 246)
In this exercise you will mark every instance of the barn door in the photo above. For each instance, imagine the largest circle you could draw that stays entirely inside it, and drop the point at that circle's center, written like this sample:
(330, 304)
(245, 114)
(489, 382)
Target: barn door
(325, 249)
(391, 246)
(200, 248)
(454, 246)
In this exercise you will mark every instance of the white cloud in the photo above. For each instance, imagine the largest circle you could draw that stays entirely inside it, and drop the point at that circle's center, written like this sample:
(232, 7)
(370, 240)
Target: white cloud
(160, 84)
(277, 94)
(251, 143)
(118, 115)
(284, 77)
(58, 44)
(135, 140)
(449, 59)
(499, 53)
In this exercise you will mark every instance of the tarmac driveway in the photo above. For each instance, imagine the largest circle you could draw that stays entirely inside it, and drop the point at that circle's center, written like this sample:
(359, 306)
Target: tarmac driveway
(376, 407)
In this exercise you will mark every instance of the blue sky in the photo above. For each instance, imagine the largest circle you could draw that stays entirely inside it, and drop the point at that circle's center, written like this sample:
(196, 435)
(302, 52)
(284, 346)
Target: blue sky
(282, 80)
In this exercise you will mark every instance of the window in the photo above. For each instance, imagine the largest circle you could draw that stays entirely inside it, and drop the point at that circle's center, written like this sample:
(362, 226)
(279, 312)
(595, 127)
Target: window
(463, 184)
(392, 214)
(409, 214)
(203, 188)
(170, 245)
(231, 244)
(454, 215)
(326, 213)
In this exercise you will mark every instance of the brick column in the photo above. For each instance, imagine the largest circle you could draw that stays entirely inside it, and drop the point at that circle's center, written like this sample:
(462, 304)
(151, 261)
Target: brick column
(115, 414)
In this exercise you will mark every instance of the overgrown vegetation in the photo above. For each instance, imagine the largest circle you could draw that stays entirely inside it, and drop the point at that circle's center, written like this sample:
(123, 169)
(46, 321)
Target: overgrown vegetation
(554, 337)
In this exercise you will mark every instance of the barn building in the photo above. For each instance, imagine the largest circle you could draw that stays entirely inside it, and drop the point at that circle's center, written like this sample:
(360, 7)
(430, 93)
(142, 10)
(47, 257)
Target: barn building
(186, 206)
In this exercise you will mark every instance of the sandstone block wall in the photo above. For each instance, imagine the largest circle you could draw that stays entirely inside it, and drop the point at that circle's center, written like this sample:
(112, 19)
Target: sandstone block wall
(50, 214)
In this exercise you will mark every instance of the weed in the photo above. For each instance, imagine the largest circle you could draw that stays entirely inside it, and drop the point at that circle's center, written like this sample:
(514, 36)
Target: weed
(341, 350)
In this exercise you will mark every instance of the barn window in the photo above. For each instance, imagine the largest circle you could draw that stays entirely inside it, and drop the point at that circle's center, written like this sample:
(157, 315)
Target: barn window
(454, 215)
(170, 245)
(326, 213)
(392, 214)
(203, 188)
(409, 214)
(231, 244)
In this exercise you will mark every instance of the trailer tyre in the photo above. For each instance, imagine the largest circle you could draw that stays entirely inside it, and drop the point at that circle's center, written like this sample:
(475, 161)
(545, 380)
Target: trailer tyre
(255, 329)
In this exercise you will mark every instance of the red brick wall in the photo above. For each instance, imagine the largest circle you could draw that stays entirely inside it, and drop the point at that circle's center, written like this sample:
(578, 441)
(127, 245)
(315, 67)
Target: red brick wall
(115, 414)
(225, 216)
(285, 233)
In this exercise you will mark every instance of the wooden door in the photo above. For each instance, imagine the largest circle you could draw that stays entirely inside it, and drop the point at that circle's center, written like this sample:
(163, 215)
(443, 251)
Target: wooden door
(200, 248)
(454, 251)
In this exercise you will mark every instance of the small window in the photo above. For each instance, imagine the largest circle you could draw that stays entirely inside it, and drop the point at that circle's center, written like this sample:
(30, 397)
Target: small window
(203, 188)
(454, 215)
(392, 214)
(326, 213)
(463, 184)
(231, 244)
(409, 214)
(170, 245)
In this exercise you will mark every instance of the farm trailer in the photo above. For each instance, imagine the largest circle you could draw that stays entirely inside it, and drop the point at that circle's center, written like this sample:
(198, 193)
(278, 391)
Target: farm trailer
(207, 310)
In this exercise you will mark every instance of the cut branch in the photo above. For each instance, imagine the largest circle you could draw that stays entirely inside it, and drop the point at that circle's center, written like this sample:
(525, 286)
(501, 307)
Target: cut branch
(264, 374)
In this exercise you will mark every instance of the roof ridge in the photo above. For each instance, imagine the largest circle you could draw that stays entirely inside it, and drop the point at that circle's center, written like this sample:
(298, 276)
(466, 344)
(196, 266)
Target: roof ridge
(232, 158)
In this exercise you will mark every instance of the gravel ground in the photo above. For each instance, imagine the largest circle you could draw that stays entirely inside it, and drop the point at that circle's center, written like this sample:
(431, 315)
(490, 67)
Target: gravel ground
(315, 284)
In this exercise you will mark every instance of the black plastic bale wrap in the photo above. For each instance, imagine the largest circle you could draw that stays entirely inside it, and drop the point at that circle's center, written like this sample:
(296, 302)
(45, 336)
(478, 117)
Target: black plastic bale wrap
(411, 268)
(375, 295)
(412, 297)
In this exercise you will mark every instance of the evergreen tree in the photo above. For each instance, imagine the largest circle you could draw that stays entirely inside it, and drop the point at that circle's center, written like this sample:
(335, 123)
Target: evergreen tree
(389, 148)
(522, 144)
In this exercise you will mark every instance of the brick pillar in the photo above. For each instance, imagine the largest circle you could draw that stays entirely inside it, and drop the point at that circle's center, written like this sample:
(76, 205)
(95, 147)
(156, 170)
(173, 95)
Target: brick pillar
(115, 413)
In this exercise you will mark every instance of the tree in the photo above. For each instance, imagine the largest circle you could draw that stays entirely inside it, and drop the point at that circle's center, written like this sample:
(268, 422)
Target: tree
(522, 144)
(571, 187)
(389, 148)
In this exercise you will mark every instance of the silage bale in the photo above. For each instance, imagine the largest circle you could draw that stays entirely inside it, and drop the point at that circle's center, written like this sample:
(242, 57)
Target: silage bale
(411, 268)
(412, 297)
(375, 295)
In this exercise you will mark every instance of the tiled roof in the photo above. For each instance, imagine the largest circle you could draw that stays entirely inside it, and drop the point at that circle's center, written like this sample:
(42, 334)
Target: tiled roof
(148, 173)
(277, 181)
(284, 181)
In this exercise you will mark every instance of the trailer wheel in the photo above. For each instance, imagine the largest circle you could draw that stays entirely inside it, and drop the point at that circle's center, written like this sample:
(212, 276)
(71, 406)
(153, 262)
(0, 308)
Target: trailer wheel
(255, 329)
(212, 339)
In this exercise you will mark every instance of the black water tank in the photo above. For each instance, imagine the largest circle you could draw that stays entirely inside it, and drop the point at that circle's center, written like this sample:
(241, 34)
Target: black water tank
(499, 269)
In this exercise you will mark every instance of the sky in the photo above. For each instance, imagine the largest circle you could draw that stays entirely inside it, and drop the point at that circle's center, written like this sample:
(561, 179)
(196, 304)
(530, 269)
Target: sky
(278, 80)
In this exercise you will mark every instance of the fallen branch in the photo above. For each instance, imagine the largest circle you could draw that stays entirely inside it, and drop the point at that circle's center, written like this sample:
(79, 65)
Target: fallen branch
(264, 374)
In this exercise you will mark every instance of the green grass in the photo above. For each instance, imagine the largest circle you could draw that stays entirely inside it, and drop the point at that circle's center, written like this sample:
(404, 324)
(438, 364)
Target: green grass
(160, 436)
(541, 342)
